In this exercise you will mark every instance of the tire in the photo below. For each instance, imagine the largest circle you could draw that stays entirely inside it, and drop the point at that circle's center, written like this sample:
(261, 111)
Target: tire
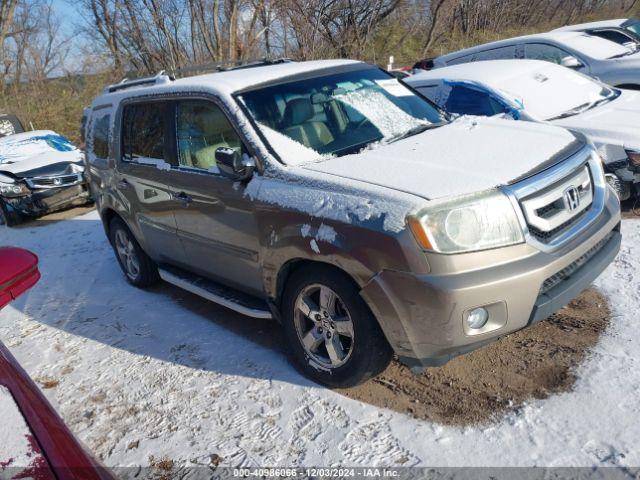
(136, 265)
(8, 218)
(362, 353)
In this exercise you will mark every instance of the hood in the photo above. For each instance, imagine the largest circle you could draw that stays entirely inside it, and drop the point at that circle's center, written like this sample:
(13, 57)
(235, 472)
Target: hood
(469, 155)
(38, 153)
(614, 123)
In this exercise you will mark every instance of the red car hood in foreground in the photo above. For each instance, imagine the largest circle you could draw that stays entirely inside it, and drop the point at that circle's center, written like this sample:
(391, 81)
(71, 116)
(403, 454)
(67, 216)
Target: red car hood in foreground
(34, 441)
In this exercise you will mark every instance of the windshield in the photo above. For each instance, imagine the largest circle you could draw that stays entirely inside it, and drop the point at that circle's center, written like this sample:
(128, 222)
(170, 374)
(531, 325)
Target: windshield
(596, 47)
(551, 91)
(337, 114)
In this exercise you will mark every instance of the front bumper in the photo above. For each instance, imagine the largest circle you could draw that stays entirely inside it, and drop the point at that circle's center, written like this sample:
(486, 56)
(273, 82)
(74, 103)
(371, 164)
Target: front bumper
(423, 315)
(41, 202)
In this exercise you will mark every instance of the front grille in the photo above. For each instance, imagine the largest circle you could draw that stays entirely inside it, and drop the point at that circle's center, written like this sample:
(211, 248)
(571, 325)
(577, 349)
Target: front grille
(546, 237)
(54, 182)
(555, 208)
(570, 269)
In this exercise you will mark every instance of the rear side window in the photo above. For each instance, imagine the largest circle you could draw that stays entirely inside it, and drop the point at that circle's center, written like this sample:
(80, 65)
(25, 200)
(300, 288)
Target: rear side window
(502, 53)
(464, 59)
(143, 127)
(101, 137)
(542, 51)
(467, 101)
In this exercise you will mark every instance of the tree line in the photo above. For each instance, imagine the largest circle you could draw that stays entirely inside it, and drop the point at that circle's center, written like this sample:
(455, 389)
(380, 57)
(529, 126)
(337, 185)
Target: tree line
(148, 35)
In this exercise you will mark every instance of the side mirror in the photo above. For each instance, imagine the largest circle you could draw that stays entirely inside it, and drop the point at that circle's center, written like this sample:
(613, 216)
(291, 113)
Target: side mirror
(233, 164)
(18, 274)
(571, 62)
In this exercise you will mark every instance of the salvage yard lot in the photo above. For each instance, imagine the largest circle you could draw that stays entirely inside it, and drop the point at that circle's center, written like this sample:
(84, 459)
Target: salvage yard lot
(147, 375)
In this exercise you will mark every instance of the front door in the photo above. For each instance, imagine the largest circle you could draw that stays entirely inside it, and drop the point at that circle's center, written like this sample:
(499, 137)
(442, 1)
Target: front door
(216, 222)
(142, 171)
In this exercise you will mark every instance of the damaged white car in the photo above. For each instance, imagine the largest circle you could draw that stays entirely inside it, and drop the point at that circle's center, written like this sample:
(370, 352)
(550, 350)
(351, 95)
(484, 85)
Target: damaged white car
(539, 91)
(40, 172)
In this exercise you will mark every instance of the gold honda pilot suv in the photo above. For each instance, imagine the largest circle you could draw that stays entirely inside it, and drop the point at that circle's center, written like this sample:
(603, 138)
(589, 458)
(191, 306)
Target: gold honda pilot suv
(335, 199)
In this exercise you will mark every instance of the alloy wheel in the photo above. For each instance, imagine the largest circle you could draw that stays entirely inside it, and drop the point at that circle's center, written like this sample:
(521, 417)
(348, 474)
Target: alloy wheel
(127, 254)
(324, 326)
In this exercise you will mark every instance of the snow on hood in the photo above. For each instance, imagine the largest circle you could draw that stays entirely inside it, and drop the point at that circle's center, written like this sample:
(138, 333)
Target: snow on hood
(34, 150)
(469, 155)
(614, 123)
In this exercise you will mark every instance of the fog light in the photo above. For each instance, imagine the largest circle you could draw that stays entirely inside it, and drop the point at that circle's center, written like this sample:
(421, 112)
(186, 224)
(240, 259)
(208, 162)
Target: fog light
(477, 318)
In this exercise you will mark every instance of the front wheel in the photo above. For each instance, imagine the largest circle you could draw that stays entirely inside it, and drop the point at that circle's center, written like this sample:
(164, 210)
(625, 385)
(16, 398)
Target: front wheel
(333, 336)
(7, 217)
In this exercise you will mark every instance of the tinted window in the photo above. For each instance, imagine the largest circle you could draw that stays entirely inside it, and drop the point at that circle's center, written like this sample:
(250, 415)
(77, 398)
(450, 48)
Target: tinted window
(614, 36)
(541, 51)
(502, 53)
(201, 129)
(465, 59)
(429, 91)
(467, 101)
(143, 125)
(101, 137)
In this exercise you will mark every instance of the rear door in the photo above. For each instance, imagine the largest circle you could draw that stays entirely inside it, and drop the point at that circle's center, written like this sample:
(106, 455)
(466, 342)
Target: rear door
(143, 169)
(215, 221)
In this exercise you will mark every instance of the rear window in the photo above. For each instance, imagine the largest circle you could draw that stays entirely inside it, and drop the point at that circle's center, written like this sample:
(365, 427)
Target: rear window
(143, 127)
(101, 137)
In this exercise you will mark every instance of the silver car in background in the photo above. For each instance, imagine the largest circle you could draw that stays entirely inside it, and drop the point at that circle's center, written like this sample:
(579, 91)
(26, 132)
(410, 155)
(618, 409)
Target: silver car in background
(602, 59)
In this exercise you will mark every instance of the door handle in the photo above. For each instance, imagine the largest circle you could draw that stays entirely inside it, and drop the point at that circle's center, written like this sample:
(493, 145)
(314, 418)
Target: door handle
(183, 197)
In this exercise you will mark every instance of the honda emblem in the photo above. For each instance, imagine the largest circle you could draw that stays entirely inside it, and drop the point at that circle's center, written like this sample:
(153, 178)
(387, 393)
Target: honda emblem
(571, 198)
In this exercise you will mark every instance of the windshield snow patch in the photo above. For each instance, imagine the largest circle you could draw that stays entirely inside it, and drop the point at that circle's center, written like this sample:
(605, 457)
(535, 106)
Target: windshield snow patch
(391, 120)
(13, 149)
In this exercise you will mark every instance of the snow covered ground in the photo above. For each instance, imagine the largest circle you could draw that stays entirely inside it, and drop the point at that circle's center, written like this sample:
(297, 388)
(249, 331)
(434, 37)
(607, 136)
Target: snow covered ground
(161, 373)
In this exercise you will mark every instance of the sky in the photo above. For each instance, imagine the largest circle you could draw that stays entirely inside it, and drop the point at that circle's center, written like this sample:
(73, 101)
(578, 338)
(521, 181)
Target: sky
(67, 14)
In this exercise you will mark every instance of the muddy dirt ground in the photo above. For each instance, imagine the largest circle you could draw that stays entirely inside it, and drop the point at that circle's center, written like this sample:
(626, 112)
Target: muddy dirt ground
(530, 364)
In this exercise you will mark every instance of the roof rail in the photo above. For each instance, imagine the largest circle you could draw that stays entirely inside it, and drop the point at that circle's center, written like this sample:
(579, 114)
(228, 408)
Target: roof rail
(227, 65)
(158, 79)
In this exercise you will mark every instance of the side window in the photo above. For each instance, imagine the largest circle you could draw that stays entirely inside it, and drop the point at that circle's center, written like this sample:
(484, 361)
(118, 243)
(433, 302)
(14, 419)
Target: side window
(468, 101)
(542, 51)
(201, 129)
(429, 91)
(465, 59)
(143, 127)
(502, 53)
(101, 137)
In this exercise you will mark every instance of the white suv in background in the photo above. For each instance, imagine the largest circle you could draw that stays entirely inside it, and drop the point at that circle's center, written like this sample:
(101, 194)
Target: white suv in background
(532, 90)
(607, 61)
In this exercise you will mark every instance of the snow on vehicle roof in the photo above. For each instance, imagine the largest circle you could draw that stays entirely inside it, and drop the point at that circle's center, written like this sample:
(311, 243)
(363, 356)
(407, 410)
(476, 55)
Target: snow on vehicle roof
(231, 81)
(594, 47)
(587, 26)
(486, 71)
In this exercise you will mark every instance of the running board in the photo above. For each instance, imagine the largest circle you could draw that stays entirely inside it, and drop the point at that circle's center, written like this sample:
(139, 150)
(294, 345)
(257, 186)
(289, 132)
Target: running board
(220, 294)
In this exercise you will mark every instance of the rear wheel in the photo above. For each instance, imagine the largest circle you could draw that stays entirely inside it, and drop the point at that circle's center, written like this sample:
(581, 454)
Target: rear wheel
(139, 269)
(333, 336)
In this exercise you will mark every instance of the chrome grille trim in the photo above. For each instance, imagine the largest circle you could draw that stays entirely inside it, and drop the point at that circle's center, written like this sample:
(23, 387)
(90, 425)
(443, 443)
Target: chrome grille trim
(57, 181)
(573, 167)
(549, 209)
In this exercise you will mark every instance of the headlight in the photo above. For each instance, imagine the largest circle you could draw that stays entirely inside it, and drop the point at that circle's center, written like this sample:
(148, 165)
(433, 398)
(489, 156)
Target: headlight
(469, 223)
(14, 189)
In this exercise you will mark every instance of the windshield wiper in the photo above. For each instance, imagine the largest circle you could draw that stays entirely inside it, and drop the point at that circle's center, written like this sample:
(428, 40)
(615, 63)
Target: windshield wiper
(574, 111)
(620, 55)
(413, 131)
